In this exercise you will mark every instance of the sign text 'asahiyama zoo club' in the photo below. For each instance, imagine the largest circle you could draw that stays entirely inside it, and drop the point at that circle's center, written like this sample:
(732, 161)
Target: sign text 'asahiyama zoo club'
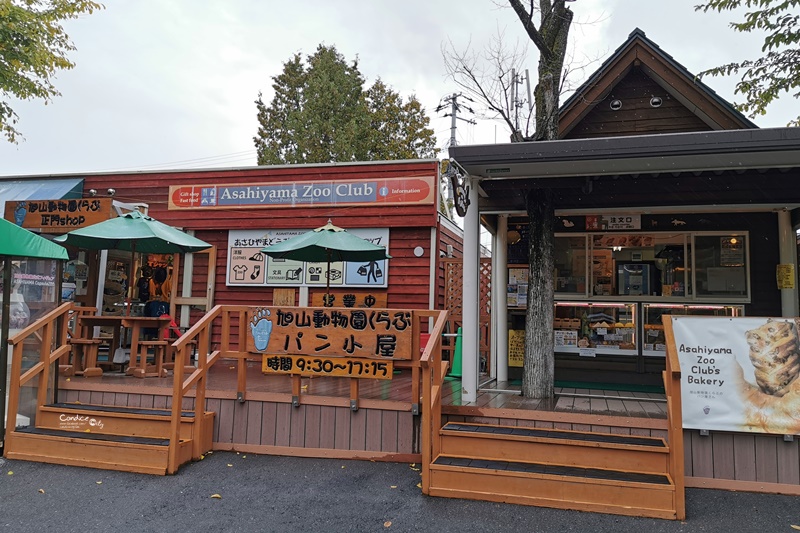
(334, 342)
(386, 191)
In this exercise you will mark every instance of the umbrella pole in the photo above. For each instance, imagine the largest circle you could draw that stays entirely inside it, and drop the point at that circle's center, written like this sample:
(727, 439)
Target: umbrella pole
(130, 279)
(328, 276)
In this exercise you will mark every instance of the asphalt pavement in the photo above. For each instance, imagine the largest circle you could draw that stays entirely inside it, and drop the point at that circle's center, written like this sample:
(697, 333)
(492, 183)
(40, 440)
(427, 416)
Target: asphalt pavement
(253, 493)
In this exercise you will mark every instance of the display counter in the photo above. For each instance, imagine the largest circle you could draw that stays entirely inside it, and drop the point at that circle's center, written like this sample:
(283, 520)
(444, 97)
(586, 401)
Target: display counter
(594, 329)
(617, 328)
(653, 341)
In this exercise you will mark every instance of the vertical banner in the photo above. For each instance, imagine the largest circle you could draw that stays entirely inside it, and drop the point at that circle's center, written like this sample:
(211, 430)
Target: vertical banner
(739, 374)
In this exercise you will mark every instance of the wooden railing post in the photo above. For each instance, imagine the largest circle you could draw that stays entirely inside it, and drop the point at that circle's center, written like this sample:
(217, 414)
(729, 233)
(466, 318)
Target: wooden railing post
(672, 384)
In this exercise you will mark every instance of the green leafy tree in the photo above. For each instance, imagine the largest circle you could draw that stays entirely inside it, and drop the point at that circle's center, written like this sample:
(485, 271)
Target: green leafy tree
(33, 47)
(778, 71)
(322, 113)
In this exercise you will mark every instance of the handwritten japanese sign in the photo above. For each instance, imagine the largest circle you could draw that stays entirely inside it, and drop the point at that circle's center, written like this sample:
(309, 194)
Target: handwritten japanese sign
(327, 366)
(322, 332)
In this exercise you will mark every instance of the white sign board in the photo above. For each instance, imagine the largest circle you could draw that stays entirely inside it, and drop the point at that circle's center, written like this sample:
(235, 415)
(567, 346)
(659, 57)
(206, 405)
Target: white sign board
(739, 374)
(249, 266)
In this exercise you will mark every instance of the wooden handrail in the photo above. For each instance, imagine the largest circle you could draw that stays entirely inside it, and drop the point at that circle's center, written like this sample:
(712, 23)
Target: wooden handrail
(53, 326)
(32, 328)
(672, 385)
(433, 372)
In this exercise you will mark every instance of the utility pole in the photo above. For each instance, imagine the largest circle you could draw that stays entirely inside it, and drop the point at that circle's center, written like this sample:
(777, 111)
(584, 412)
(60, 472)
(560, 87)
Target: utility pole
(455, 107)
(516, 101)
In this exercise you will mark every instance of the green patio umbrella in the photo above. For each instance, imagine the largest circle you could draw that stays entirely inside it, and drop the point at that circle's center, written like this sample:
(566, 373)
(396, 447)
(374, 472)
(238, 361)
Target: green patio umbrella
(19, 242)
(133, 232)
(326, 244)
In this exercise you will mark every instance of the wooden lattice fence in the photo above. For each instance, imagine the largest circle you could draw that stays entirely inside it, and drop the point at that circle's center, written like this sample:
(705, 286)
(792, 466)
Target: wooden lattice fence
(453, 302)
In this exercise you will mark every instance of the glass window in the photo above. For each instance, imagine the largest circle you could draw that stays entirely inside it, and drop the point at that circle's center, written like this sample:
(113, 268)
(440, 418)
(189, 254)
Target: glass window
(33, 291)
(570, 264)
(720, 264)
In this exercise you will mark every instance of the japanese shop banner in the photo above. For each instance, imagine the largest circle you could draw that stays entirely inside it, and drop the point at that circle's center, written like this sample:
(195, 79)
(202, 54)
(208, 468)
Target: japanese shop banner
(365, 333)
(739, 374)
(249, 266)
(384, 191)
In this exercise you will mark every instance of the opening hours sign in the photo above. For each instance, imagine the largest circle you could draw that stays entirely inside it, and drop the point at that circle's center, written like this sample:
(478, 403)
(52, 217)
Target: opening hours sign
(322, 341)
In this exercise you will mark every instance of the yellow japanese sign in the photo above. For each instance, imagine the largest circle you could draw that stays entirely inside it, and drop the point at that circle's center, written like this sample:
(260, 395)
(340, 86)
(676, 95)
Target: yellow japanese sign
(785, 275)
(308, 365)
(516, 347)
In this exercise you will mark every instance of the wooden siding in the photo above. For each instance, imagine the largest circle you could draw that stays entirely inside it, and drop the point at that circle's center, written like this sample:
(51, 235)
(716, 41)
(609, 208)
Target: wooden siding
(152, 188)
(637, 116)
(409, 225)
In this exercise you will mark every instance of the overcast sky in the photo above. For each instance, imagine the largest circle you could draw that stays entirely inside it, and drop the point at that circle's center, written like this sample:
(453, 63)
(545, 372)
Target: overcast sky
(170, 84)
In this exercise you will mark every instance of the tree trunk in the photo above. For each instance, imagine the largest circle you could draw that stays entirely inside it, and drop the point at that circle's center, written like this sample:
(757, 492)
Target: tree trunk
(539, 362)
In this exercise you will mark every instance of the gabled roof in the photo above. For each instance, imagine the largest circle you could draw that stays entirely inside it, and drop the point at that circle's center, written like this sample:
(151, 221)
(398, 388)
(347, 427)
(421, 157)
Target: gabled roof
(639, 52)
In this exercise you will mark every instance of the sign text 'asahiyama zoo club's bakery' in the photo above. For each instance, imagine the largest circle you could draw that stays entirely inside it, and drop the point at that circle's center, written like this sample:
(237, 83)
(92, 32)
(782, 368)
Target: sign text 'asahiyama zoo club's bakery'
(386, 191)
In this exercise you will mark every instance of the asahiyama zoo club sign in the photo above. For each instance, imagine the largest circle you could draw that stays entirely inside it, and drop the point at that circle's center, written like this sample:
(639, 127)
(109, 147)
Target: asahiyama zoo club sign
(359, 343)
(386, 191)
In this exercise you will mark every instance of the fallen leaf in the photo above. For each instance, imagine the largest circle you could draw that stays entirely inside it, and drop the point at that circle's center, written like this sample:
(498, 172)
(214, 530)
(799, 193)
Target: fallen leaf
(230, 464)
(413, 464)
(216, 496)
(342, 466)
(393, 486)
(419, 485)
(795, 527)
(99, 482)
(415, 469)
(10, 473)
(387, 524)
(41, 491)
(244, 457)
(202, 457)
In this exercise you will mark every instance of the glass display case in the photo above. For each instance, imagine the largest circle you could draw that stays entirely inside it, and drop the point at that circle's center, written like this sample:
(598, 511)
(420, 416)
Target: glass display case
(653, 342)
(591, 329)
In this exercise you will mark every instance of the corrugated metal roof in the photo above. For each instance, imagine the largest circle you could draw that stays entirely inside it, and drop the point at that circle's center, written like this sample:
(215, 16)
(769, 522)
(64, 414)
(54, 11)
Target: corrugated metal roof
(17, 190)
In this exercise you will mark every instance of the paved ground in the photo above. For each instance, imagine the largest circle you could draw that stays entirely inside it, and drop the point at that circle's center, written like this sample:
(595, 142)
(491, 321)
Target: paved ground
(264, 493)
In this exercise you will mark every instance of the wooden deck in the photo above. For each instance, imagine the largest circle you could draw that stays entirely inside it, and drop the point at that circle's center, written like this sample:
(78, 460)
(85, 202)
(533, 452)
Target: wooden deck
(501, 397)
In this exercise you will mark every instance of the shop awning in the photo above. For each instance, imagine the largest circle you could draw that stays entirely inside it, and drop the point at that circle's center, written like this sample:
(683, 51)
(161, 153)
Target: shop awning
(55, 189)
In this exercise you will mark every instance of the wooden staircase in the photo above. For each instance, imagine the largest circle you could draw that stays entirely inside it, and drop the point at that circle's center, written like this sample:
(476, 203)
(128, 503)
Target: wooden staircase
(599, 472)
(109, 437)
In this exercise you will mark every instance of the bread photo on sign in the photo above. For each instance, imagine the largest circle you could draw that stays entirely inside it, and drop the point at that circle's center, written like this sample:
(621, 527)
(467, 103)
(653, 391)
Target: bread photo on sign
(774, 355)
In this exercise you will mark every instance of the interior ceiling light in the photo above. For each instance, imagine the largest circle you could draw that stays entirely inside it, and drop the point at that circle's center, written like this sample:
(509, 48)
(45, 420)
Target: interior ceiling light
(615, 105)
(656, 101)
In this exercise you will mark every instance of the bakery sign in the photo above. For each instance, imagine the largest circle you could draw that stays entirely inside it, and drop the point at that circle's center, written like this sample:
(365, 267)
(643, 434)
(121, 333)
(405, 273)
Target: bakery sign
(739, 374)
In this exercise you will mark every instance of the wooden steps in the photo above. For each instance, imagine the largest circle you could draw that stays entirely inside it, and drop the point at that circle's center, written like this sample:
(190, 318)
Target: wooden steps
(108, 437)
(598, 472)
